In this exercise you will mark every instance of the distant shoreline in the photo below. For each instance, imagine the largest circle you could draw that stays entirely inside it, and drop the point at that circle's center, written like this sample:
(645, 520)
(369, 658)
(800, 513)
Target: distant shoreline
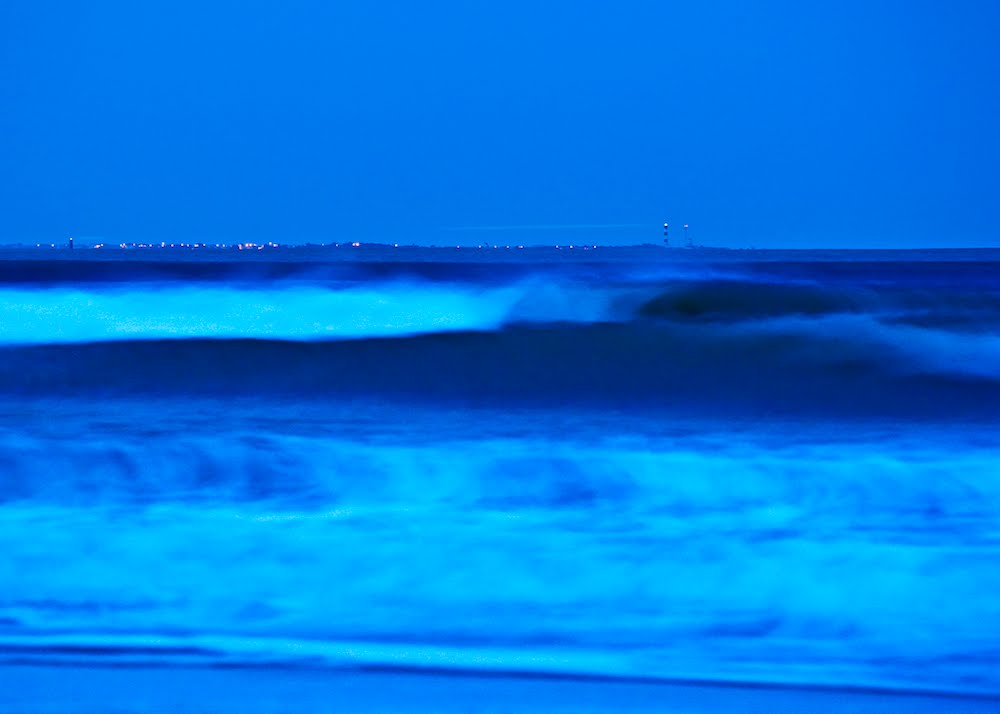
(385, 252)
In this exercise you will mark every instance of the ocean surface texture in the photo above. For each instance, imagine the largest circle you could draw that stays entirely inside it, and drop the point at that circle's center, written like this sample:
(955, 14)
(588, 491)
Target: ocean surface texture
(731, 466)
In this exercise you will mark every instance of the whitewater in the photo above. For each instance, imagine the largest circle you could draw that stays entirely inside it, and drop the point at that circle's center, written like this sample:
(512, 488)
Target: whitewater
(768, 468)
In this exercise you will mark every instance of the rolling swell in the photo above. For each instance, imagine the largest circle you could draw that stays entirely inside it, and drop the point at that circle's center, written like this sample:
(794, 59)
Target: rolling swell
(257, 271)
(844, 369)
(735, 299)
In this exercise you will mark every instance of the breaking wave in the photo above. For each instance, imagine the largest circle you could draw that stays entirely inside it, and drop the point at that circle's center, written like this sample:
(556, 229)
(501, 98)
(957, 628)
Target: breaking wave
(98, 301)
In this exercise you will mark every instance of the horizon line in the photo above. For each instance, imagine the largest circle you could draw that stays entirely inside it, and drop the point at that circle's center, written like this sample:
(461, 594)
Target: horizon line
(545, 226)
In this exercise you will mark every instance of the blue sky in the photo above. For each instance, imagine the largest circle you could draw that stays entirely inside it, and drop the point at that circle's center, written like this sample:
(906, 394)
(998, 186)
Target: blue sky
(769, 124)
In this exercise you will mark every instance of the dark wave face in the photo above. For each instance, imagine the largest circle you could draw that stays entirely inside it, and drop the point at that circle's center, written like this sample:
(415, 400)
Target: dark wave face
(647, 463)
(852, 370)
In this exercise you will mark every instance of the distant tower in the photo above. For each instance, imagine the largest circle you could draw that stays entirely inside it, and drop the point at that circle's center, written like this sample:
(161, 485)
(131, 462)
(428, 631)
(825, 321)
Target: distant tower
(666, 234)
(686, 239)
(71, 242)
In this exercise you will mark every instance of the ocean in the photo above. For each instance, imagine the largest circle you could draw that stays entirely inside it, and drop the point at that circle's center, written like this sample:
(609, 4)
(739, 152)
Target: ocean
(765, 467)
